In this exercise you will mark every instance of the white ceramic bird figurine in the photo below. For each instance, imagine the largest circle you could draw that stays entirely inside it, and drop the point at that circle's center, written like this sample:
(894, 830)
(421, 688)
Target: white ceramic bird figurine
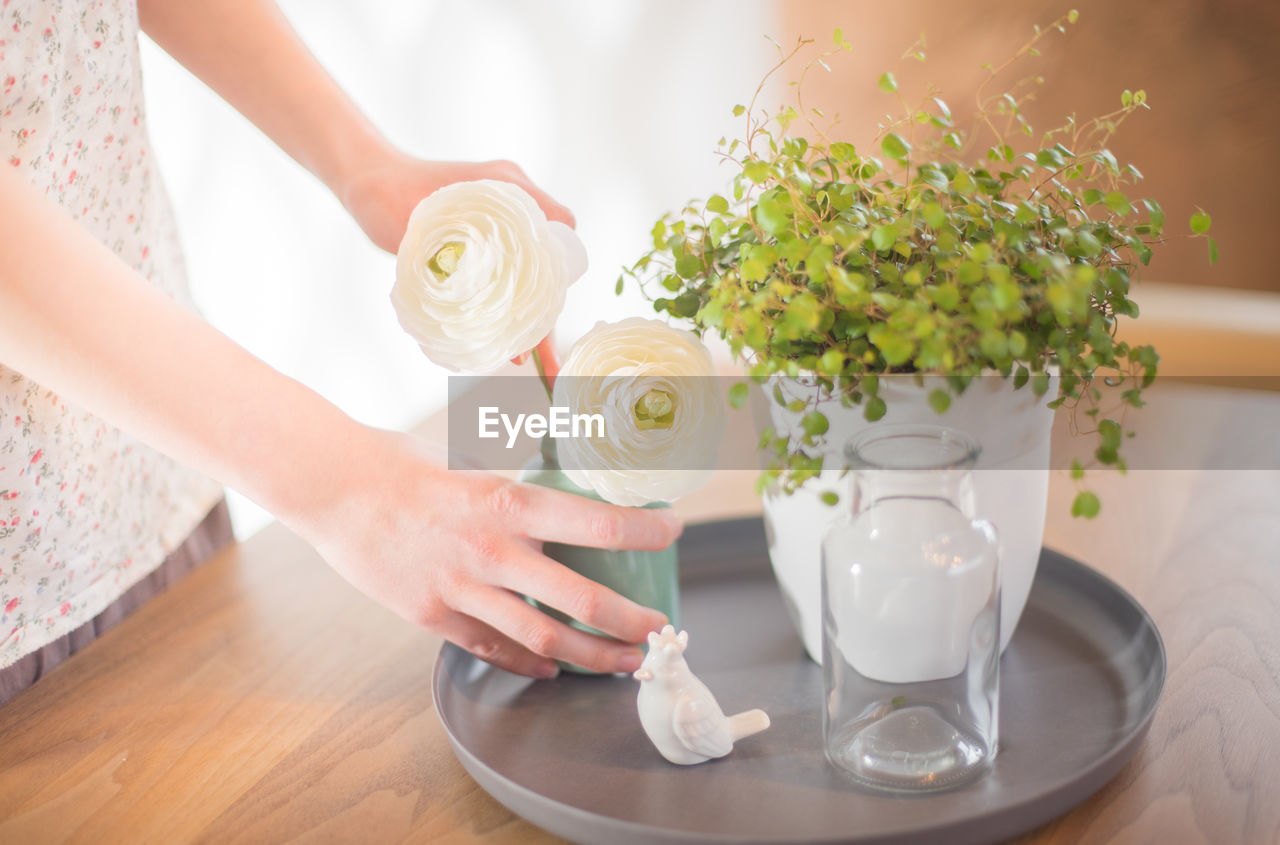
(679, 713)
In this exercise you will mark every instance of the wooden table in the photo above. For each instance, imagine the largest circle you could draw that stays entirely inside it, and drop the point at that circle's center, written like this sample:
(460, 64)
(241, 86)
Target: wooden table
(263, 699)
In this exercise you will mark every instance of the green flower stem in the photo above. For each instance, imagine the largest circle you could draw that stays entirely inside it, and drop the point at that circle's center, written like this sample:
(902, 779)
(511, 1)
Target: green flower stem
(542, 371)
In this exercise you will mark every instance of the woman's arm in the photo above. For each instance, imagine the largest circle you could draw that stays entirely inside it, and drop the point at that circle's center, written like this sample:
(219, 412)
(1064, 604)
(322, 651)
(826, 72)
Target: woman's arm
(247, 52)
(446, 550)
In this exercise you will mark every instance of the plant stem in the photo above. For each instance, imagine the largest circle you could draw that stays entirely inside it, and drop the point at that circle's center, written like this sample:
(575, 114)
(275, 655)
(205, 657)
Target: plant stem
(542, 371)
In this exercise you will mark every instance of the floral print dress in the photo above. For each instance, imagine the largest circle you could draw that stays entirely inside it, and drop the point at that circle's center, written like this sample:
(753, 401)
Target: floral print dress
(85, 510)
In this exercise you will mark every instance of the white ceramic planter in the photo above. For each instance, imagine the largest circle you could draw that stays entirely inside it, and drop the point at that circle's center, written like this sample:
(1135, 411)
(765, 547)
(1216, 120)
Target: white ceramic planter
(1011, 486)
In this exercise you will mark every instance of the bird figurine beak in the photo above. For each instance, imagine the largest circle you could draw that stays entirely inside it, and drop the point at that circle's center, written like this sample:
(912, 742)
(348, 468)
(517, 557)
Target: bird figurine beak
(642, 675)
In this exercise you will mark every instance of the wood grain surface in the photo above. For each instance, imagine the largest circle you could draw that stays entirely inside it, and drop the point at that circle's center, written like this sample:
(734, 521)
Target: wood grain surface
(262, 699)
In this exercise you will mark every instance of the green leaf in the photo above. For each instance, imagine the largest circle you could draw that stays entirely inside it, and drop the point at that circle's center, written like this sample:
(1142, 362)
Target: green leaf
(659, 234)
(970, 272)
(883, 236)
(814, 424)
(935, 177)
(804, 313)
(946, 296)
(1111, 433)
(772, 215)
(875, 409)
(829, 498)
(1200, 222)
(1086, 505)
(1077, 471)
(1118, 203)
(1004, 293)
(738, 111)
(685, 305)
(831, 362)
(815, 264)
(718, 204)
(1073, 16)
(738, 395)
(1051, 159)
(895, 146)
(1040, 383)
(887, 83)
(1088, 245)
(1155, 212)
(1107, 159)
(894, 346)
(688, 266)
(994, 344)
(753, 270)
(757, 171)
(939, 400)
(1213, 251)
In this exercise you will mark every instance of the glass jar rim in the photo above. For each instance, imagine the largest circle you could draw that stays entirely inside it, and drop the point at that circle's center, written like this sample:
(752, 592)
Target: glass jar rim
(912, 447)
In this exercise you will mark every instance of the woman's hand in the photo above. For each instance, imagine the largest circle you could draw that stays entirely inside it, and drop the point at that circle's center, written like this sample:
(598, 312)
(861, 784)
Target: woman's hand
(455, 551)
(447, 550)
(382, 192)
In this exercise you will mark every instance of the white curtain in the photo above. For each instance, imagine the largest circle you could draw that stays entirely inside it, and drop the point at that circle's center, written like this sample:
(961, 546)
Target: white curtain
(613, 106)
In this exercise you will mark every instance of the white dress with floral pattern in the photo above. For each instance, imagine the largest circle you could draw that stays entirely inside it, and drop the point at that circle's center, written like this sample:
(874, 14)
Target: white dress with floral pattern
(85, 510)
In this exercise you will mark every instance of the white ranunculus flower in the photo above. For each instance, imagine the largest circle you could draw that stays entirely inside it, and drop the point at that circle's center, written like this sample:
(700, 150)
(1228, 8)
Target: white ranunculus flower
(664, 417)
(481, 274)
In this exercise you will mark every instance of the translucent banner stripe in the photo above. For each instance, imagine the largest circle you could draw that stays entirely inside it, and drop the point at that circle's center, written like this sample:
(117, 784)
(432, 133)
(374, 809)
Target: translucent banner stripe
(649, 423)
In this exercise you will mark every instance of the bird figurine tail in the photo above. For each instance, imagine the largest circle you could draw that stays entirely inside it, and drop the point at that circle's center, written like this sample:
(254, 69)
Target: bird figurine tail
(747, 723)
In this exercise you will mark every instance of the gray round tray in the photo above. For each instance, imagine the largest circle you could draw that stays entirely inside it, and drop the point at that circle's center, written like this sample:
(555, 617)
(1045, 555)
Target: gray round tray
(1079, 685)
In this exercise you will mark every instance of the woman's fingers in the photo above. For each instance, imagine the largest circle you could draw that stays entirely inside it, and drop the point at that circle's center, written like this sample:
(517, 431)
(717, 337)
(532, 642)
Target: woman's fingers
(509, 171)
(495, 647)
(551, 208)
(551, 515)
(579, 597)
(544, 636)
(547, 357)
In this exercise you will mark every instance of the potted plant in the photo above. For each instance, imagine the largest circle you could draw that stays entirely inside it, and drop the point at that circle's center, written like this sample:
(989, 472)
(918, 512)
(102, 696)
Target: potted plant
(975, 273)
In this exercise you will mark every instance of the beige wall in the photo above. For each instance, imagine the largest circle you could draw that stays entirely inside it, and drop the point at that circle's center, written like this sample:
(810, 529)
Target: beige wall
(1211, 69)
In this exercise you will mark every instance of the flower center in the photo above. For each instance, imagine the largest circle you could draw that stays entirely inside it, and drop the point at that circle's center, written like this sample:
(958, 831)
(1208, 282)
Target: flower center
(656, 409)
(445, 261)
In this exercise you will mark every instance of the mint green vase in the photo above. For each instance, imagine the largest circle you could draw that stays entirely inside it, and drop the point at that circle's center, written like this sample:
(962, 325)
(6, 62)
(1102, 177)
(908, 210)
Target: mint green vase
(650, 579)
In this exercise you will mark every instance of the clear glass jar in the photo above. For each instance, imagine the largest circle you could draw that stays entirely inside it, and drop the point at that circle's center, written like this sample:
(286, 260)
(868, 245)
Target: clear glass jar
(911, 615)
